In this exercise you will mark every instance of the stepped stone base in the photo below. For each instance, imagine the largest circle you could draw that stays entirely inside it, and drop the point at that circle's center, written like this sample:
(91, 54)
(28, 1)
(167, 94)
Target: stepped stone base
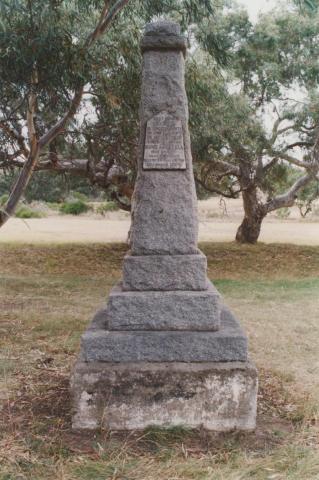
(172, 310)
(228, 344)
(132, 396)
(165, 272)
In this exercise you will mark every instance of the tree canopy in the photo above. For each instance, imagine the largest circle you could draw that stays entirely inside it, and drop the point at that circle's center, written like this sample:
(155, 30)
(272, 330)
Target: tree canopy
(252, 89)
(265, 122)
(55, 55)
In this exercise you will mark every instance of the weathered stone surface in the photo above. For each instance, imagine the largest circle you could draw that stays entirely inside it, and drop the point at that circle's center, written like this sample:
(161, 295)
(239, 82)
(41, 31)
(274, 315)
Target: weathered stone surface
(164, 35)
(164, 205)
(225, 345)
(182, 373)
(159, 226)
(159, 42)
(175, 310)
(215, 396)
(162, 27)
(165, 272)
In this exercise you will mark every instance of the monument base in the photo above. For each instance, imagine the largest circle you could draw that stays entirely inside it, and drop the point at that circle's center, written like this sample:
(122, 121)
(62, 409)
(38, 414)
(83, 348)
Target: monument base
(133, 396)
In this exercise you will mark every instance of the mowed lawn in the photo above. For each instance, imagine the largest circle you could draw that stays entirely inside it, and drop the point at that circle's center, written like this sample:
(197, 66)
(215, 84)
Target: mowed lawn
(47, 296)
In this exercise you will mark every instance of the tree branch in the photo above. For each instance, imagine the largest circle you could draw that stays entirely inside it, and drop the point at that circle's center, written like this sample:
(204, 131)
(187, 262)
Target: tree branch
(32, 100)
(216, 190)
(270, 164)
(15, 135)
(96, 32)
(299, 144)
(288, 199)
(227, 167)
(119, 5)
(290, 159)
(104, 22)
(61, 124)
(276, 131)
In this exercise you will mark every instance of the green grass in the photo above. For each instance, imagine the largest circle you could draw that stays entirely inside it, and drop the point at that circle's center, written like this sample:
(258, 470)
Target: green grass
(47, 296)
(264, 290)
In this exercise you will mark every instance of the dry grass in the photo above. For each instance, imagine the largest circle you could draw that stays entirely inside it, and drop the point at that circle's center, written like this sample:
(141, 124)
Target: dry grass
(47, 295)
(225, 260)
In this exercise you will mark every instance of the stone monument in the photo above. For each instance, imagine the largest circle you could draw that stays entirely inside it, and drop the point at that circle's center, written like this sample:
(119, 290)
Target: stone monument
(165, 350)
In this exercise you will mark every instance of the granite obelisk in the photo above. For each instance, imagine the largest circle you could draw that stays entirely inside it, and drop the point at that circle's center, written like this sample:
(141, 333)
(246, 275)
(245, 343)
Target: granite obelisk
(164, 350)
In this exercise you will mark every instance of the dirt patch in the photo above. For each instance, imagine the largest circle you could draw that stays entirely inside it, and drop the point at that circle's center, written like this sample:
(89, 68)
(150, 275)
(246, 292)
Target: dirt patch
(40, 414)
(66, 229)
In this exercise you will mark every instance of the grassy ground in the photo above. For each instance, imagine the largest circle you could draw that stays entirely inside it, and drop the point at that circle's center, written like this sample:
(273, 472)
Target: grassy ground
(47, 296)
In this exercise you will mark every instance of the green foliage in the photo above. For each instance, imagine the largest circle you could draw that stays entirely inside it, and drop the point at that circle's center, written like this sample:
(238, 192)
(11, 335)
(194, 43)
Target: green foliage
(283, 213)
(3, 199)
(49, 38)
(263, 61)
(74, 207)
(308, 5)
(79, 196)
(26, 212)
(53, 205)
(247, 115)
(48, 187)
(51, 187)
(307, 197)
(105, 207)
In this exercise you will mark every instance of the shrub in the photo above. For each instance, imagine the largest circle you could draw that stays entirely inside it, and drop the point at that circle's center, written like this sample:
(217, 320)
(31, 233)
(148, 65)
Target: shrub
(105, 207)
(283, 213)
(53, 205)
(27, 212)
(3, 199)
(78, 196)
(74, 207)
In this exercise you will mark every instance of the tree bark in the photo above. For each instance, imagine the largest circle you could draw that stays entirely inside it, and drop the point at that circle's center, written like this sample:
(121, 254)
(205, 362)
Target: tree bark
(19, 187)
(255, 212)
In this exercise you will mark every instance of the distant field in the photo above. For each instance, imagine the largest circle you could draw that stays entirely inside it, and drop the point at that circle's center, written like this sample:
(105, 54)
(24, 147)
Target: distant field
(48, 293)
(218, 223)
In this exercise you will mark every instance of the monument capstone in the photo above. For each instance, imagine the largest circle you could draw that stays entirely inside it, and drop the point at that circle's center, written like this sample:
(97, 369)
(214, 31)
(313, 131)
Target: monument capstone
(165, 350)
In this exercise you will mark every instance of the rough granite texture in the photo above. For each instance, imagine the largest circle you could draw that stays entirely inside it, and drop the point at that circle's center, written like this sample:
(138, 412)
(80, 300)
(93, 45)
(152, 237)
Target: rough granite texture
(165, 272)
(228, 344)
(164, 35)
(164, 204)
(132, 396)
(177, 370)
(162, 27)
(175, 310)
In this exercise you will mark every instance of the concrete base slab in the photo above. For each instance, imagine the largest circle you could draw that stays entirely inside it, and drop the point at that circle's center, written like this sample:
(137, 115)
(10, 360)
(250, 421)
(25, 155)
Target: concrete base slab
(165, 272)
(228, 344)
(172, 310)
(132, 396)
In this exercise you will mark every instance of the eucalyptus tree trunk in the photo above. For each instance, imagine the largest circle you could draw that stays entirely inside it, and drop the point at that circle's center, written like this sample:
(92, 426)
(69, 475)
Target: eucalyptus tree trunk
(255, 212)
(19, 187)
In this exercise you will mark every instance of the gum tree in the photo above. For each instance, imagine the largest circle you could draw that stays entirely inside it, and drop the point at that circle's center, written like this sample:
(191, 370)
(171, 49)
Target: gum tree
(60, 61)
(45, 66)
(238, 151)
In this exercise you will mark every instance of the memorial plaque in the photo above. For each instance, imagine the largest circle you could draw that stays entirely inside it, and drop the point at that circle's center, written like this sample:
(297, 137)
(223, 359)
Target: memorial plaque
(164, 144)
